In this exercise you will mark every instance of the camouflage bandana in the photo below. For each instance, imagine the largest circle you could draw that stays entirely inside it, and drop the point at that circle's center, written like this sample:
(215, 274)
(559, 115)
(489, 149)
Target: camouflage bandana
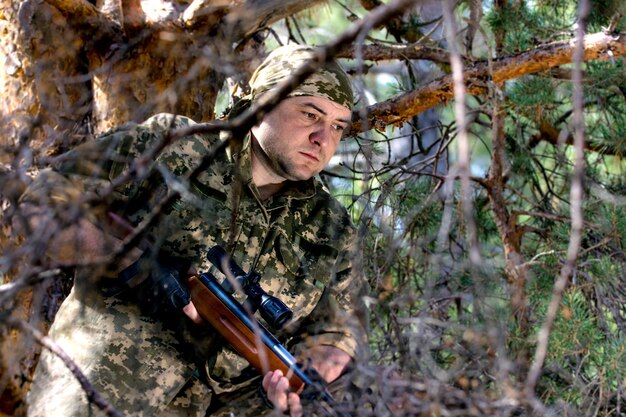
(330, 82)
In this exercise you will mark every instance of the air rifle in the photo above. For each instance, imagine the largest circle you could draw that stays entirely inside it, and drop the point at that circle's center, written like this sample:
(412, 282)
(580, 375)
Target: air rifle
(236, 324)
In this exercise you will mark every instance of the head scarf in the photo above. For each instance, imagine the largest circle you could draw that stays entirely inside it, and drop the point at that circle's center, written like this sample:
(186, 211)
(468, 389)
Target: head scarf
(330, 81)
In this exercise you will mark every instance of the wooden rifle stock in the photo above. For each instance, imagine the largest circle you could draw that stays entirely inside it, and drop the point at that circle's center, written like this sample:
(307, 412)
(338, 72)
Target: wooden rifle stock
(251, 340)
(246, 336)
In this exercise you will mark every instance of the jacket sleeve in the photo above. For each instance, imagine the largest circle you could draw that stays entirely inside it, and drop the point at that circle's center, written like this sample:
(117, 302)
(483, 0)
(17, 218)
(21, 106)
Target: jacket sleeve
(90, 168)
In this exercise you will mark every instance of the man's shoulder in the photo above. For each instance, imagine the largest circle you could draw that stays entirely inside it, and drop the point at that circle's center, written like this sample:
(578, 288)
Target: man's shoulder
(168, 121)
(189, 147)
(132, 138)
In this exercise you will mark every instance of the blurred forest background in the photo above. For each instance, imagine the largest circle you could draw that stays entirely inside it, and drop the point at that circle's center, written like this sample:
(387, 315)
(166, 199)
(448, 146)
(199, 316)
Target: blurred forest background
(491, 212)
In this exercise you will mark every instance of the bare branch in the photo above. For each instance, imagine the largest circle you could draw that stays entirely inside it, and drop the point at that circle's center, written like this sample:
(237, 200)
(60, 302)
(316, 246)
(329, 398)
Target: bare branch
(463, 164)
(379, 52)
(397, 27)
(249, 16)
(549, 133)
(576, 209)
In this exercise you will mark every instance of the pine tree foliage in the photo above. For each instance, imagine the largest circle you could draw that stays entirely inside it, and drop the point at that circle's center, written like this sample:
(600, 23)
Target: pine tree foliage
(438, 316)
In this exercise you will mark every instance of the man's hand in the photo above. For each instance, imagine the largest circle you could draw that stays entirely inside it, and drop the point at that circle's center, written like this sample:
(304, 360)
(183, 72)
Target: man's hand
(190, 309)
(276, 385)
(328, 361)
(192, 313)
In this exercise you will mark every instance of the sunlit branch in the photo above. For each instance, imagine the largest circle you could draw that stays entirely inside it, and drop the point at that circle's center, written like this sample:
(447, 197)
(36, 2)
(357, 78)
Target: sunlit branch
(402, 108)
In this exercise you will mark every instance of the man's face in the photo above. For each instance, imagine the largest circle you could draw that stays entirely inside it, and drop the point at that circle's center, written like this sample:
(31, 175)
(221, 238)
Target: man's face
(297, 139)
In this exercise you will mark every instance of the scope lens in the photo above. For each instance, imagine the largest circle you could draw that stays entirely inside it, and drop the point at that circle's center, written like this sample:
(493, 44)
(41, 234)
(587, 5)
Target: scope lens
(274, 312)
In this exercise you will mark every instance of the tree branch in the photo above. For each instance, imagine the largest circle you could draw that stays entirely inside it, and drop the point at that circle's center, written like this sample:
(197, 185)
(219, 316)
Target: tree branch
(133, 17)
(397, 27)
(378, 52)
(249, 16)
(201, 10)
(400, 109)
(549, 133)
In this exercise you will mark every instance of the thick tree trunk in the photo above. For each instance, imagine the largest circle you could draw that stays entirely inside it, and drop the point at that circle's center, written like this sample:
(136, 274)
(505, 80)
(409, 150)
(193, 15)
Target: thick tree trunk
(163, 72)
(72, 67)
(41, 83)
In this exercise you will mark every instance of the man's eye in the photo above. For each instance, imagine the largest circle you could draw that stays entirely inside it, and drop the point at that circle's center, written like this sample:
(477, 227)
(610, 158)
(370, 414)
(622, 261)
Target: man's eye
(310, 115)
(339, 128)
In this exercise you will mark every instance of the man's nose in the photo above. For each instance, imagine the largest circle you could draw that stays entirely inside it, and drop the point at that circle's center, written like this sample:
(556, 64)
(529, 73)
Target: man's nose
(321, 135)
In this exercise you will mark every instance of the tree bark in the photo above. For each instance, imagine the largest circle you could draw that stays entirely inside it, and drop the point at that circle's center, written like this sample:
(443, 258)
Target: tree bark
(40, 78)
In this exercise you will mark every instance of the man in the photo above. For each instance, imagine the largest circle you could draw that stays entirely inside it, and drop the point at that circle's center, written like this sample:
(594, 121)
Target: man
(139, 340)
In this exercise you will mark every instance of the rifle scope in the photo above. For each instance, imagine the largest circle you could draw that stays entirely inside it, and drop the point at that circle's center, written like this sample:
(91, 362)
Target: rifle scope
(273, 311)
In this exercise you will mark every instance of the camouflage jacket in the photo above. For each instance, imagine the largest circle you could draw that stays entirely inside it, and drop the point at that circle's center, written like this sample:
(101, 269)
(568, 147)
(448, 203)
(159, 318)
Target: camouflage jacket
(300, 240)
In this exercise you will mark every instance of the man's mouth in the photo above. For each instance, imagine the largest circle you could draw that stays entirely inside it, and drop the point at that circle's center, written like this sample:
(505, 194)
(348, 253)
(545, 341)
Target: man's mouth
(310, 156)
